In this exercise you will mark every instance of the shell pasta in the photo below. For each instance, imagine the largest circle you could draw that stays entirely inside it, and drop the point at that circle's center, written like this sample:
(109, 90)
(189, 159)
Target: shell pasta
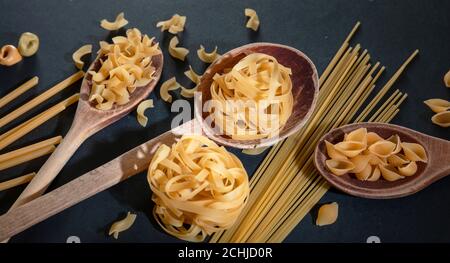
(369, 157)
(198, 187)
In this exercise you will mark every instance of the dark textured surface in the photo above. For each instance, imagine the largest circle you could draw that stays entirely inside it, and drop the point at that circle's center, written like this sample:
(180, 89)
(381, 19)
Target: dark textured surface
(390, 30)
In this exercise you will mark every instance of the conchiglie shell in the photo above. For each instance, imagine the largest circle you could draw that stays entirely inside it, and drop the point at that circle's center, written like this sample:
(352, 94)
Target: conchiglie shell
(447, 79)
(339, 167)
(396, 139)
(375, 160)
(327, 214)
(414, 152)
(375, 176)
(373, 138)
(359, 135)
(365, 173)
(360, 162)
(389, 173)
(438, 105)
(397, 160)
(350, 149)
(333, 153)
(442, 119)
(409, 169)
(382, 149)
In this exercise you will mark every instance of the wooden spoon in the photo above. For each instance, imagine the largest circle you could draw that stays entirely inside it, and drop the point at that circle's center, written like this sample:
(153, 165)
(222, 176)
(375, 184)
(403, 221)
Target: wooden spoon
(438, 166)
(87, 121)
(305, 88)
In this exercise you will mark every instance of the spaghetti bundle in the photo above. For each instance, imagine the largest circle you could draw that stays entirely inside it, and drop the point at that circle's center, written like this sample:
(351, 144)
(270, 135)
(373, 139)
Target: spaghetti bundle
(286, 185)
(198, 187)
(253, 100)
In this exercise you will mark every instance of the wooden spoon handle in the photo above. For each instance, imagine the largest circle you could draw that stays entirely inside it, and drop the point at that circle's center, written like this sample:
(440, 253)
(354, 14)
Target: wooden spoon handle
(71, 142)
(128, 164)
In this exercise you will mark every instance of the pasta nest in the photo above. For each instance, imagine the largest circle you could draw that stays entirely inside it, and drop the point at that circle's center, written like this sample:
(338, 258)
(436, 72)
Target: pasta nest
(252, 100)
(126, 64)
(198, 187)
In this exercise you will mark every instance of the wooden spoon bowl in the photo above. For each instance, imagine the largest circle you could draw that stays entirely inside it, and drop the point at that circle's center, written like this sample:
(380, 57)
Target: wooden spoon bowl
(305, 88)
(437, 167)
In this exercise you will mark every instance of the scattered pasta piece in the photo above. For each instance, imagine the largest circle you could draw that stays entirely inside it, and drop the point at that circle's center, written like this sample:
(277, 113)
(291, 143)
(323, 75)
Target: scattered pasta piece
(447, 79)
(9, 55)
(77, 55)
(192, 75)
(122, 225)
(117, 24)
(256, 86)
(174, 25)
(370, 157)
(188, 93)
(28, 44)
(177, 52)
(438, 105)
(253, 21)
(255, 151)
(199, 188)
(442, 119)
(327, 214)
(207, 57)
(126, 65)
(141, 118)
(170, 84)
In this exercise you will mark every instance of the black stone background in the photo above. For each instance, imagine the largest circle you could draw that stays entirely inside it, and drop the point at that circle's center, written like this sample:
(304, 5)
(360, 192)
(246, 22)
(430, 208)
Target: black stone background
(390, 30)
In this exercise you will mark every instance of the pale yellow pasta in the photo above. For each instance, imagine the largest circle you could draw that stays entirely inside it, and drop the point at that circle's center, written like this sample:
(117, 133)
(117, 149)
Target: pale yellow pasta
(373, 138)
(382, 149)
(207, 57)
(327, 214)
(364, 174)
(397, 160)
(396, 140)
(126, 65)
(438, 105)
(350, 149)
(177, 52)
(360, 162)
(447, 79)
(409, 169)
(141, 118)
(253, 21)
(199, 188)
(117, 24)
(168, 85)
(339, 167)
(414, 152)
(77, 55)
(375, 176)
(188, 93)
(333, 153)
(376, 160)
(358, 135)
(192, 75)
(174, 25)
(389, 173)
(256, 86)
(255, 151)
(122, 225)
(442, 119)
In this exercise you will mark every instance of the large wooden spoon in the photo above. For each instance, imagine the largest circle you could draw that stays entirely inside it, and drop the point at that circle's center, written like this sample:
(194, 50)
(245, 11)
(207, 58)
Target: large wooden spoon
(87, 121)
(437, 167)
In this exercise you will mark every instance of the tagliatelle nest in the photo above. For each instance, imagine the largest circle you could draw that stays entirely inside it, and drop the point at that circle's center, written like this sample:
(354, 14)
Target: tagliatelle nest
(198, 187)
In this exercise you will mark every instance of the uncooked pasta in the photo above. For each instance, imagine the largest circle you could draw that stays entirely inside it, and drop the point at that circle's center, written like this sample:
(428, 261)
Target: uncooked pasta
(198, 187)
(328, 214)
(168, 85)
(207, 57)
(438, 105)
(118, 23)
(79, 53)
(253, 19)
(141, 118)
(442, 119)
(256, 86)
(122, 225)
(174, 25)
(177, 52)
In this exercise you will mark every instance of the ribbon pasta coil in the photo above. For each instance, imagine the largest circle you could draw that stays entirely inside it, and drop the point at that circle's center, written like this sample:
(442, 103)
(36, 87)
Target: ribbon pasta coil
(369, 157)
(198, 187)
(252, 100)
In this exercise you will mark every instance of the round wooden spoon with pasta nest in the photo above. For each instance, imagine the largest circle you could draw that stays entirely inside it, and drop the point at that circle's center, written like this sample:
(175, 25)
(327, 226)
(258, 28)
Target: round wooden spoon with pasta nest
(437, 167)
(87, 121)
